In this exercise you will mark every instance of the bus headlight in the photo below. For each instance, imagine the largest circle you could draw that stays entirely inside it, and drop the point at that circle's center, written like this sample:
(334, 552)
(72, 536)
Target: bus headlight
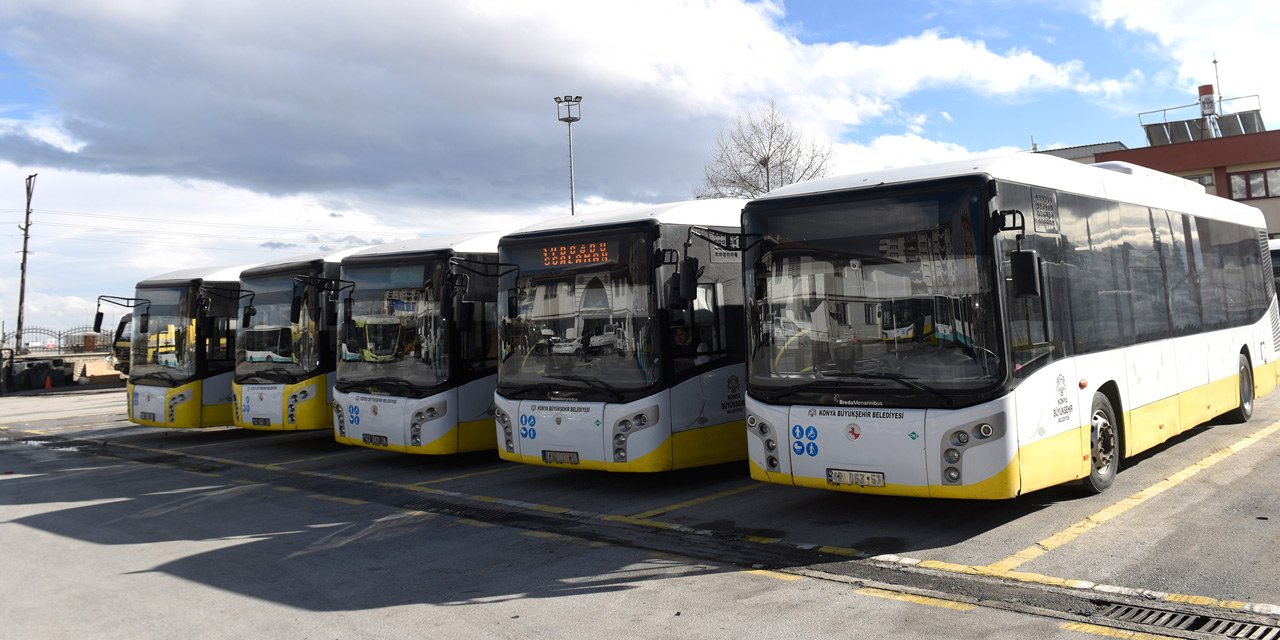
(619, 455)
(340, 419)
(984, 431)
(961, 438)
(952, 456)
(624, 426)
(773, 462)
(620, 440)
(770, 444)
(419, 418)
(952, 474)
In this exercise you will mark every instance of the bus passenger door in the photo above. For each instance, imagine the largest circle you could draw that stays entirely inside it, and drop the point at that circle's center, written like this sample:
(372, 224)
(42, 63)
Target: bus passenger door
(1052, 412)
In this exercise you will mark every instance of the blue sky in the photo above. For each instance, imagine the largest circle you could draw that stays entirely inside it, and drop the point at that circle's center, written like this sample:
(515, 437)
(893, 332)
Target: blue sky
(177, 134)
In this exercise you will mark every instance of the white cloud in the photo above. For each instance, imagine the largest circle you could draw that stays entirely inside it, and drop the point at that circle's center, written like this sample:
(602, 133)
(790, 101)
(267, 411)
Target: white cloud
(1238, 35)
(892, 151)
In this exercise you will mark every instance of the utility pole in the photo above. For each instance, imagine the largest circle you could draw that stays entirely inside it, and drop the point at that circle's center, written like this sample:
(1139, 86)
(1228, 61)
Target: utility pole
(22, 286)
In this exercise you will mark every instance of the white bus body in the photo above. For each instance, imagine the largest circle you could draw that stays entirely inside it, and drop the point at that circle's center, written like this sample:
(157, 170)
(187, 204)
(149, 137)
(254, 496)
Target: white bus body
(1125, 307)
(593, 375)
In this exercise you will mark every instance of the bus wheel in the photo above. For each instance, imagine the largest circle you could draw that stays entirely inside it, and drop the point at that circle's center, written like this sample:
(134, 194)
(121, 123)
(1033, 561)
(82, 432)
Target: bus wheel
(1244, 412)
(1104, 451)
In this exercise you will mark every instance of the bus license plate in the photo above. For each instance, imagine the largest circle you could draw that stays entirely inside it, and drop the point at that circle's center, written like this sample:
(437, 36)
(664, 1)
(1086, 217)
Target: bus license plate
(860, 478)
(370, 438)
(560, 457)
(147, 415)
(262, 422)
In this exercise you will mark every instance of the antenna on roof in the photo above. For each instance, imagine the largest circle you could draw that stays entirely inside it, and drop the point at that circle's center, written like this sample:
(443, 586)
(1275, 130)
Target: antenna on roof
(1033, 144)
(1217, 81)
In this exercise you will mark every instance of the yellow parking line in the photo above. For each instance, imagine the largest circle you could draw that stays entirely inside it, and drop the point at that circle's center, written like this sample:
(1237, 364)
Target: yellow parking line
(907, 597)
(1108, 632)
(350, 501)
(313, 458)
(1089, 523)
(697, 501)
(466, 475)
(776, 575)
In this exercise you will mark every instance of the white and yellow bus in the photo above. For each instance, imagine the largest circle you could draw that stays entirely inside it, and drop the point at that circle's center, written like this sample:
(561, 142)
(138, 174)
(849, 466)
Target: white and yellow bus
(606, 363)
(285, 354)
(182, 352)
(418, 358)
(1090, 313)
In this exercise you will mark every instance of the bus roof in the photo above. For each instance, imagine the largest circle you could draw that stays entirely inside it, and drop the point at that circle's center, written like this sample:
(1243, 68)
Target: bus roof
(461, 243)
(202, 274)
(1120, 181)
(285, 264)
(715, 212)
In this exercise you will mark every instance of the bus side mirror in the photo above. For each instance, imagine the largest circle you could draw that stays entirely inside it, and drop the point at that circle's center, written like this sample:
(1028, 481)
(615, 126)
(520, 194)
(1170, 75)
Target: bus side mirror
(249, 312)
(1024, 271)
(668, 257)
(672, 290)
(295, 310)
(466, 311)
(513, 306)
(761, 281)
(144, 323)
(97, 322)
(446, 307)
(689, 279)
(347, 305)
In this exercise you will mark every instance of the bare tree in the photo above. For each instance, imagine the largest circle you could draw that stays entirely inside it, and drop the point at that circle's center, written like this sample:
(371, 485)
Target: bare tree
(761, 153)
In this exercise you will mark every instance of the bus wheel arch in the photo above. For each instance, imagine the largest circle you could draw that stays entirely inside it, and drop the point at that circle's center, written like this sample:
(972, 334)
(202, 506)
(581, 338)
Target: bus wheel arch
(1244, 369)
(1105, 440)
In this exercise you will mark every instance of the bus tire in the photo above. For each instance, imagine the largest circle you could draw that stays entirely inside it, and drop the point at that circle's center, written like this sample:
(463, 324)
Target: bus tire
(1104, 445)
(1244, 412)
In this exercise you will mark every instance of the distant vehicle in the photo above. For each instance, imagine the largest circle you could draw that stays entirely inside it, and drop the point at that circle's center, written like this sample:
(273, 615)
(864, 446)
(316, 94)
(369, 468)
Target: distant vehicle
(593, 375)
(287, 349)
(418, 331)
(182, 347)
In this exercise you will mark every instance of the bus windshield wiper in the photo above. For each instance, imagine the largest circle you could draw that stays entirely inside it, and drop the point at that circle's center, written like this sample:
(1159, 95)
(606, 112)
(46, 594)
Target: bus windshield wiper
(163, 376)
(269, 375)
(826, 384)
(904, 380)
(593, 383)
(373, 385)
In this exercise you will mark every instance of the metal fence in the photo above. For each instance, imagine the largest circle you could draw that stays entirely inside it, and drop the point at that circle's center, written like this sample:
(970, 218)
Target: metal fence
(44, 341)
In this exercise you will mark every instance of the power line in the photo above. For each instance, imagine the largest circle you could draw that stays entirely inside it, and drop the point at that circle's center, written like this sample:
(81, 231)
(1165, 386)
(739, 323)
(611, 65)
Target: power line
(204, 224)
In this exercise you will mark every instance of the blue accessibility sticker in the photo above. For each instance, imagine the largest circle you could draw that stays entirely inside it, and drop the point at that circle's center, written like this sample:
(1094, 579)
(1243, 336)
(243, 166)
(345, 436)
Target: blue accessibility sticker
(533, 433)
(524, 432)
(798, 447)
(811, 433)
(797, 432)
(812, 449)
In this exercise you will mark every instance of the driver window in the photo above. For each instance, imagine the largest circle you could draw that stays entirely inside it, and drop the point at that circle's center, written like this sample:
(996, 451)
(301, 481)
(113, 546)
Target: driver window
(697, 335)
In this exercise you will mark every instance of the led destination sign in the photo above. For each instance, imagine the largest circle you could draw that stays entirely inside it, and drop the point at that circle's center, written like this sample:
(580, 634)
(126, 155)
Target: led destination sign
(581, 253)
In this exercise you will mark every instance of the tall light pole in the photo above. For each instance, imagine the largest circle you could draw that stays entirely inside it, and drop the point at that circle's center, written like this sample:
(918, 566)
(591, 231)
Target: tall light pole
(22, 286)
(569, 111)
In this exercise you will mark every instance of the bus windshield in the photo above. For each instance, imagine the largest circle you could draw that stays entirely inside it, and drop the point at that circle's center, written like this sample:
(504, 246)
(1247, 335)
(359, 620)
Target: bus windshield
(879, 299)
(166, 353)
(273, 350)
(395, 340)
(585, 325)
